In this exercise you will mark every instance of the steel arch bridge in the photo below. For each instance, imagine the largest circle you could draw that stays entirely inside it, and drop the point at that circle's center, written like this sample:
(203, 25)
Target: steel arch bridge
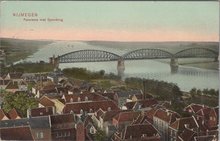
(88, 56)
(102, 56)
(196, 53)
(147, 54)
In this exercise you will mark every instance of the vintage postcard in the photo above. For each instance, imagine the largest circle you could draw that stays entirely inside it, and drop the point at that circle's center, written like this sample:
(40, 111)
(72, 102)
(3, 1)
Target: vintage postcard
(109, 70)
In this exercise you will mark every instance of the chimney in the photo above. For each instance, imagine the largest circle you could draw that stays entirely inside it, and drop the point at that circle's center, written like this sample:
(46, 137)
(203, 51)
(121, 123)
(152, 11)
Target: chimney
(28, 113)
(80, 131)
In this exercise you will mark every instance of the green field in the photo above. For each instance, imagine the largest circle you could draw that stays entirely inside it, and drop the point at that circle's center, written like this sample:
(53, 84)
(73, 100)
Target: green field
(17, 49)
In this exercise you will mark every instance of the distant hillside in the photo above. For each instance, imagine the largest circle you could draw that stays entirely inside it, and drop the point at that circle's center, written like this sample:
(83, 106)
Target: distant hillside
(17, 49)
(172, 47)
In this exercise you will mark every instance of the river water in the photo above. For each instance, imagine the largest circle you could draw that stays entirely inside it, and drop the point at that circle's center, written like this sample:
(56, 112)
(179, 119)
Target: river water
(186, 78)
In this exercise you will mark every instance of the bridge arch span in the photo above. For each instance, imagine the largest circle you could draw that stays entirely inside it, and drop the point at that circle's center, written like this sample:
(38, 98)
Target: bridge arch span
(88, 56)
(196, 53)
(147, 54)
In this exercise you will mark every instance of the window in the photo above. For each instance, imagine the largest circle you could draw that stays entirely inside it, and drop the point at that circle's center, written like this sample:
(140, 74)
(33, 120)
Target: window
(40, 135)
(86, 98)
(79, 99)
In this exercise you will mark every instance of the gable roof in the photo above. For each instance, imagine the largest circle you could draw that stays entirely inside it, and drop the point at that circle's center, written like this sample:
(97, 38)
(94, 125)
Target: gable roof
(87, 106)
(13, 114)
(138, 131)
(187, 135)
(43, 111)
(126, 116)
(166, 115)
(194, 107)
(15, 75)
(180, 123)
(143, 103)
(16, 133)
(60, 119)
(83, 97)
(45, 101)
(12, 85)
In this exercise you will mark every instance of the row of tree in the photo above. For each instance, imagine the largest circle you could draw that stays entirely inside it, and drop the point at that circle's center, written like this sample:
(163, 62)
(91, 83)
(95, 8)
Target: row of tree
(84, 74)
(209, 92)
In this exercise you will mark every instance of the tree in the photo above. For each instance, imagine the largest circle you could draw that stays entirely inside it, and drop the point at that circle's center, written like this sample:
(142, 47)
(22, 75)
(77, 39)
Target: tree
(199, 92)
(193, 91)
(102, 73)
(100, 135)
(20, 102)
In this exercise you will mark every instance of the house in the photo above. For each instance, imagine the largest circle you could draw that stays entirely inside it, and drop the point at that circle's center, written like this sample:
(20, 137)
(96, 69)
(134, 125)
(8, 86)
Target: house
(183, 125)
(39, 127)
(137, 132)
(57, 104)
(16, 133)
(14, 76)
(112, 96)
(69, 127)
(63, 127)
(122, 119)
(209, 115)
(103, 120)
(89, 107)
(138, 96)
(140, 104)
(12, 87)
(71, 98)
(194, 108)
(162, 119)
(42, 111)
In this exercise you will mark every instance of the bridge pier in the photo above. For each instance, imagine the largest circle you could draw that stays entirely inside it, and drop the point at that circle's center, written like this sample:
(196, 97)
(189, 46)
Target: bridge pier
(174, 65)
(121, 67)
(54, 61)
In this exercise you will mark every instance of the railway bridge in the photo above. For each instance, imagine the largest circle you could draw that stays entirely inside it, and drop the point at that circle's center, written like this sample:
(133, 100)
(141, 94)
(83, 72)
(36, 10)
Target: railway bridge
(139, 54)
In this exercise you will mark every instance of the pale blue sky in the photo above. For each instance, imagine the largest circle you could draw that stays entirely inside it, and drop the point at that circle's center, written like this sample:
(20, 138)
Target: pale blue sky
(198, 17)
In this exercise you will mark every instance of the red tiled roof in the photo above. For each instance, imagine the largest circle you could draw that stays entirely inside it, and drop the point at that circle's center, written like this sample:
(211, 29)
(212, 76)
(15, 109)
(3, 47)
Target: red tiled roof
(166, 115)
(139, 131)
(16, 133)
(187, 135)
(13, 114)
(2, 114)
(130, 105)
(89, 105)
(112, 96)
(144, 103)
(149, 114)
(60, 119)
(108, 116)
(43, 111)
(195, 107)
(12, 85)
(15, 75)
(82, 97)
(180, 123)
(4, 82)
(45, 101)
(126, 116)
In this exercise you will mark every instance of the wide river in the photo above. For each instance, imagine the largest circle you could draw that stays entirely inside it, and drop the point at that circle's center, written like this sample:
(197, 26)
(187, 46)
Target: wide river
(186, 78)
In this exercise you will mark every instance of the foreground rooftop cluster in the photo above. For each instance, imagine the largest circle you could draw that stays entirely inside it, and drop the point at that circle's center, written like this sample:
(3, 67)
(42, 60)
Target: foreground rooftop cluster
(76, 110)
